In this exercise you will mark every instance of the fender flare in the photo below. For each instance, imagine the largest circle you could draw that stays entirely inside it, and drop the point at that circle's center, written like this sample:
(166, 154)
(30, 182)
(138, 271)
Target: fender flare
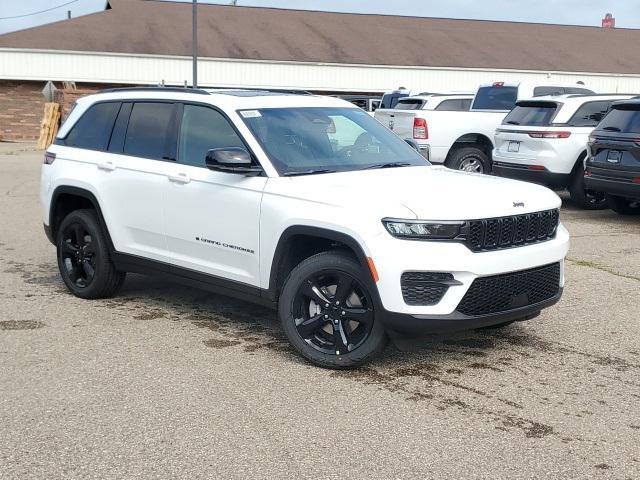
(83, 193)
(324, 233)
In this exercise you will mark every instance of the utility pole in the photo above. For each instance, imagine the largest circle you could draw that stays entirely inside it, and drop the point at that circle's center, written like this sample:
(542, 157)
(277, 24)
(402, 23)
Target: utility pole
(194, 43)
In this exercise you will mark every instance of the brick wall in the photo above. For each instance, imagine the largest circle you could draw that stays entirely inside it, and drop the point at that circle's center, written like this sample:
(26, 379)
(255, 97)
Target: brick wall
(22, 106)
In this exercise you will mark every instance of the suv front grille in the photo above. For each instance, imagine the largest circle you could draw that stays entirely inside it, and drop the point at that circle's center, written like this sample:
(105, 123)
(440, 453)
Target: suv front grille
(513, 231)
(424, 288)
(501, 293)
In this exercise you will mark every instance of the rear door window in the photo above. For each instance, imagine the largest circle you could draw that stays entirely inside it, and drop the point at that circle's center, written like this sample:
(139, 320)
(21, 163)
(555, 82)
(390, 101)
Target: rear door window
(542, 91)
(589, 114)
(532, 114)
(455, 105)
(148, 130)
(93, 130)
(495, 98)
(624, 120)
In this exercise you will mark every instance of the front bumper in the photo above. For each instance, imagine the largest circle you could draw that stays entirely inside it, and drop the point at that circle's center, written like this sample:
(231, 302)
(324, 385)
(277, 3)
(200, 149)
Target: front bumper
(407, 324)
(523, 172)
(399, 256)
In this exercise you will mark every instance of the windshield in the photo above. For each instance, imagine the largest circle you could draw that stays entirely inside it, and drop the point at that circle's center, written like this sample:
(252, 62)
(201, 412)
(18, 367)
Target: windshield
(301, 140)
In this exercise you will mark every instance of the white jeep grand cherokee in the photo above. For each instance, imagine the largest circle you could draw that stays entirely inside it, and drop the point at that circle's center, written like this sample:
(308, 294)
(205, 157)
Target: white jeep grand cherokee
(300, 202)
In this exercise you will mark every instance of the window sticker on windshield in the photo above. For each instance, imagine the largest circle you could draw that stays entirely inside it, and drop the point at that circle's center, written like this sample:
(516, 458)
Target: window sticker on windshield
(250, 113)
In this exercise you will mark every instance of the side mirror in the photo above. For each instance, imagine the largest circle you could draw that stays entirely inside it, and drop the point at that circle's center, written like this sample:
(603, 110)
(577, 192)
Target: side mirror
(413, 144)
(232, 160)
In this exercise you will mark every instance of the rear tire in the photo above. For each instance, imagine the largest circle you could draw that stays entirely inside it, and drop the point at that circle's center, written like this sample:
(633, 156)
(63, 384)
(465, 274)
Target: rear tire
(623, 206)
(327, 312)
(586, 199)
(469, 159)
(83, 257)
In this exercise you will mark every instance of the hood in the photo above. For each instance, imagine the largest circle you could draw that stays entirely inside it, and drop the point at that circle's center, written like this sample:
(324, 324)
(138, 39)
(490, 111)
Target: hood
(430, 193)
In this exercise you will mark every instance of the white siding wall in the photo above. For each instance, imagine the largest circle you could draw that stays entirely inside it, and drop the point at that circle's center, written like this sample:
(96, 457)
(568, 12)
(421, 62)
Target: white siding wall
(19, 64)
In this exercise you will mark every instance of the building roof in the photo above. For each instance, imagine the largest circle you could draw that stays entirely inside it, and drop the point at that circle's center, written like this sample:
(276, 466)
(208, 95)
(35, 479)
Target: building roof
(164, 28)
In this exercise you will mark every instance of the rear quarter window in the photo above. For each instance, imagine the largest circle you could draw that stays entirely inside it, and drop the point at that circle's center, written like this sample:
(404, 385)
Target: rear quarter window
(93, 130)
(589, 114)
(532, 114)
(495, 98)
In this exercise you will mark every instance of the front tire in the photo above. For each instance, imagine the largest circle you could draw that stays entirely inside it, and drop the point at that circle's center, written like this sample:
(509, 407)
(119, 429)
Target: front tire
(83, 257)
(586, 199)
(327, 312)
(623, 206)
(469, 159)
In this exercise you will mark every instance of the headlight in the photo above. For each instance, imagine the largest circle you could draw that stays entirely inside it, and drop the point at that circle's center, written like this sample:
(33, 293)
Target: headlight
(416, 229)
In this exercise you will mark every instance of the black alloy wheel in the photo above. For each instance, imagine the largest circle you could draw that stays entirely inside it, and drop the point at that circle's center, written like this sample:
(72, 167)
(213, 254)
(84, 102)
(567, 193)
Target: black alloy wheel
(77, 255)
(333, 313)
(84, 259)
(327, 311)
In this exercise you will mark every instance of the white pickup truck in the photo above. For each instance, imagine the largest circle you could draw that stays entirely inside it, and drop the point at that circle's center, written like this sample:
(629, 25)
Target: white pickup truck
(463, 140)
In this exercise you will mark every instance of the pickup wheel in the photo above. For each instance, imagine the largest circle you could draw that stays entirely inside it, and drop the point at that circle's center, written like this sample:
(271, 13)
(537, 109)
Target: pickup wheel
(587, 199)
(623, 206)
(83, 258)
(469, 159)
(327, 312)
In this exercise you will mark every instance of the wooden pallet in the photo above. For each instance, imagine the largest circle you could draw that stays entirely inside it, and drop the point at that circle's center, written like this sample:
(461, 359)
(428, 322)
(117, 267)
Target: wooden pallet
(49, 125)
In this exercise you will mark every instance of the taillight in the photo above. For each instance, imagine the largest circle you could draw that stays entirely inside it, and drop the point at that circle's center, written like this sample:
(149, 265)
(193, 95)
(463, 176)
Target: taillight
(549, 134)
(49, 158)
(538, 168)
(636, 180)
(420, 129)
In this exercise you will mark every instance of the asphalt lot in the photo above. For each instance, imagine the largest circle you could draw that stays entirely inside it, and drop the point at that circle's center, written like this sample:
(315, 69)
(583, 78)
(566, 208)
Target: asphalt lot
(169, 382)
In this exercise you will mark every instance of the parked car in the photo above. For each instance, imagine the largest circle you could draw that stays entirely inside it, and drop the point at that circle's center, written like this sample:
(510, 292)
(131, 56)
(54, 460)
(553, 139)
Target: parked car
(396, 118)
(613, 161)
(368, 103)
(464, 140)
(305, 204)
(390, 99)
(544, 140)
(448, 102)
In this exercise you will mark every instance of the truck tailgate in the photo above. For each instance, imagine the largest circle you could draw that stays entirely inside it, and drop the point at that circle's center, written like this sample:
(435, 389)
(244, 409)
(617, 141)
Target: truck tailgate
(399, 121)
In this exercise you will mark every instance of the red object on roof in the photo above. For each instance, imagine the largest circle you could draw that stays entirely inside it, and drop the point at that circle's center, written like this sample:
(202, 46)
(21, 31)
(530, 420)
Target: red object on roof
(608, 21)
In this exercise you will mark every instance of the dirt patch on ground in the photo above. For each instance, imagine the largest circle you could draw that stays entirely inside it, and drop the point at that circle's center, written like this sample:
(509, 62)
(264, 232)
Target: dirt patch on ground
(21, 325)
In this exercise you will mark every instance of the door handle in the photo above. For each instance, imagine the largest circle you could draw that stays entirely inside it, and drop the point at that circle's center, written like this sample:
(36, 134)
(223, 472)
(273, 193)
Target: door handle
(107, 166)
(179, 178)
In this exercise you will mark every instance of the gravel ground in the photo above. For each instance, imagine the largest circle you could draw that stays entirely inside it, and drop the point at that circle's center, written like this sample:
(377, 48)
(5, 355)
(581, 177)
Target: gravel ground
(168, 382)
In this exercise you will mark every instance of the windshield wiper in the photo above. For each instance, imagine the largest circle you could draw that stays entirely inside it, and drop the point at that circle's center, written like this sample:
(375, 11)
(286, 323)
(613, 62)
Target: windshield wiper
(388, 165)
(612, 129)
(512, 122)
(307, 172)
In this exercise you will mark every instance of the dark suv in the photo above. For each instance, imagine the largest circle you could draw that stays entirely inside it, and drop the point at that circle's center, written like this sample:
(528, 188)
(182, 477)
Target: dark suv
(613, 164)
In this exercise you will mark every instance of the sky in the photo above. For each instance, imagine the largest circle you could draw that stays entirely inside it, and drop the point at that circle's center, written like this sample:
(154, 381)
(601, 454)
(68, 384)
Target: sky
(20, 14)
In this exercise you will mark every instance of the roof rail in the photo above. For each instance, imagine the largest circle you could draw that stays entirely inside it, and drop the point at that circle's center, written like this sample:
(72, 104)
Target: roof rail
(578, 95)
(155, 89)
(455, 94)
